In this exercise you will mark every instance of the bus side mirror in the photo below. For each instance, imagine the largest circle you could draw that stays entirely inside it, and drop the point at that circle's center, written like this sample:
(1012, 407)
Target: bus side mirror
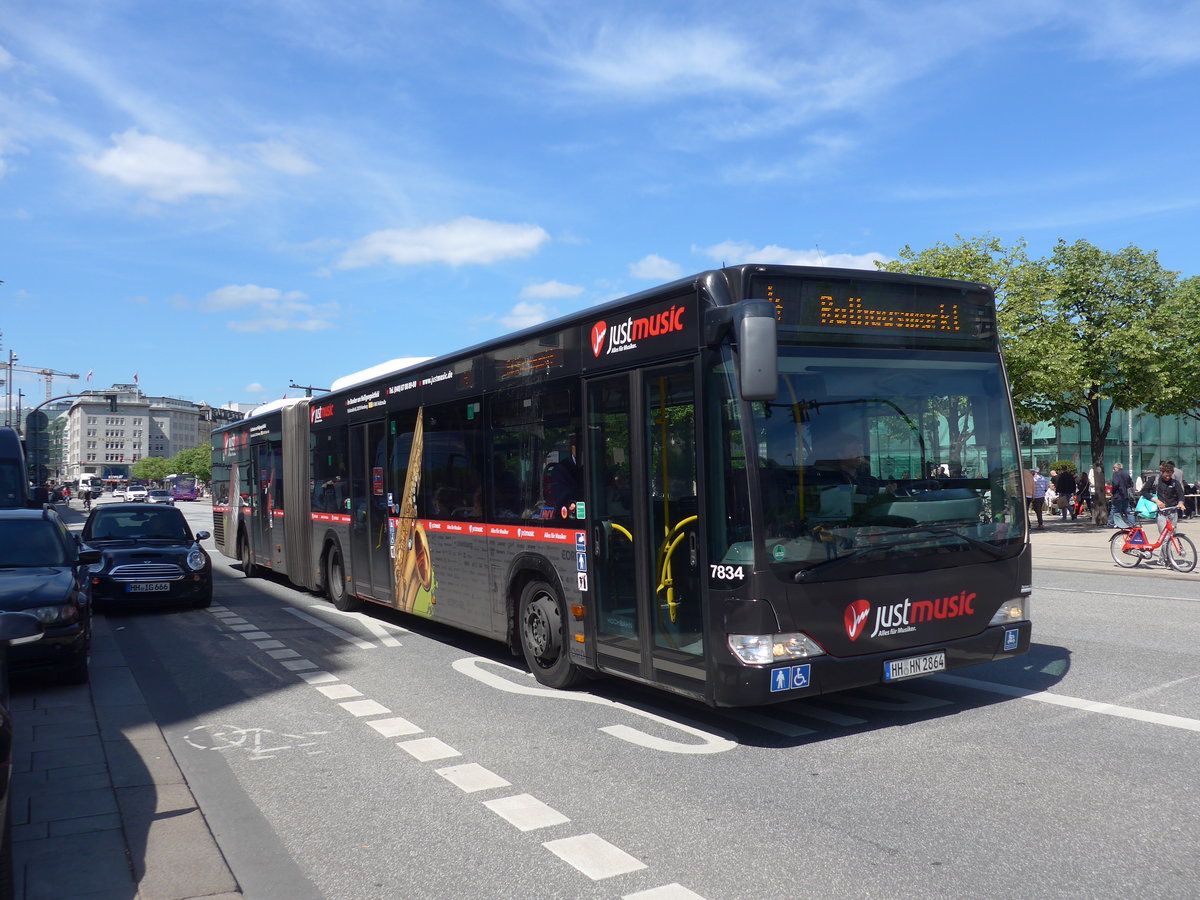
(758, 368)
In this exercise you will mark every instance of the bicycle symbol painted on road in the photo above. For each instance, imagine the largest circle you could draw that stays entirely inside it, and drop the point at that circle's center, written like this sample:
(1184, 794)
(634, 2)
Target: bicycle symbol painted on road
(259, 743)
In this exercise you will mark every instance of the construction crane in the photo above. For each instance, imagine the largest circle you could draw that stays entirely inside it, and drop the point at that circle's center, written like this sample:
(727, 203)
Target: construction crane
(48, 374)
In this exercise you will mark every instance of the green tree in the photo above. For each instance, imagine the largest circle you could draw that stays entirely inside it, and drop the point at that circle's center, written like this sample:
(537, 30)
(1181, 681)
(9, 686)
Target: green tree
(151, 468)
(1079, 327)
(195, 460)
(1181, 393)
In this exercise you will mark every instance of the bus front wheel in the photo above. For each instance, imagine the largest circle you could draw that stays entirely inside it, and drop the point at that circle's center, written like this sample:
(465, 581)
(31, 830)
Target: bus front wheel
(335, 582)
(542, 626)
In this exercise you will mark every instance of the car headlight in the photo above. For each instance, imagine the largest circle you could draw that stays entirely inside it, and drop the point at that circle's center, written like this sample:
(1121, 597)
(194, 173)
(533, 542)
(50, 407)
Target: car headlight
(1011, 611)
(55, 615)
(196, 559)
(759, 649)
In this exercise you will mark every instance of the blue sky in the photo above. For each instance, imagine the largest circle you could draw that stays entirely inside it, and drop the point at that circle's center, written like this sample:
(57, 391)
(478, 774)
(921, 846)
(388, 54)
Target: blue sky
(225, 196)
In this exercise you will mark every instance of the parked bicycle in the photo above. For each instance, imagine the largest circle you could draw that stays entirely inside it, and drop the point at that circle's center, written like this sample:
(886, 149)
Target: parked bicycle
(1130, 546)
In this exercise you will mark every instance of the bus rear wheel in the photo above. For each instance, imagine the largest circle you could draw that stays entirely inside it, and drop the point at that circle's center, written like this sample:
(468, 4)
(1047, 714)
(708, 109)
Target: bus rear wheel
(247, 560)
(335, 582)
(543, 629)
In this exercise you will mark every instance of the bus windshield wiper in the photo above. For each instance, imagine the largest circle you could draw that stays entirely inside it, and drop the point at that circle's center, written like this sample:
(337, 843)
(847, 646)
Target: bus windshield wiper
(975, 543)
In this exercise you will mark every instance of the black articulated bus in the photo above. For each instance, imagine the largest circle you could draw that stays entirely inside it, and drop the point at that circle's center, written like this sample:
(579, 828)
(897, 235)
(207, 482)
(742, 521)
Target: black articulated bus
(756, 484)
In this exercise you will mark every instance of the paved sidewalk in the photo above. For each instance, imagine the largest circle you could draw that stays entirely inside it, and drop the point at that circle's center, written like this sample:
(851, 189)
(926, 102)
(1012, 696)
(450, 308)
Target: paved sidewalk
(1079, 545)
(99, 808)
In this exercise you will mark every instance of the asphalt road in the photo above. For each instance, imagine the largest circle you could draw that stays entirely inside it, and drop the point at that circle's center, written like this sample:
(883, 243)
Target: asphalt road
(362, 756)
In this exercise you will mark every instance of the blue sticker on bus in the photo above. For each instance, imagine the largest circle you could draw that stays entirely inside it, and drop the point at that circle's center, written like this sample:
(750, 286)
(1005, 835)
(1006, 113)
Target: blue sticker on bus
(581, 562)
(791, 678)
(1011, 639)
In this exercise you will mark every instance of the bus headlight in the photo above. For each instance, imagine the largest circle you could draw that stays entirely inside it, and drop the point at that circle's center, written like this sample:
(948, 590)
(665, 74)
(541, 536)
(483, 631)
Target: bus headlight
(1012, 611)
(760, 649)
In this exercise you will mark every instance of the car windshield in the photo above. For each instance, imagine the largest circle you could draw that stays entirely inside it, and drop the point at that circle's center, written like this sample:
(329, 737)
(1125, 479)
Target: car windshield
(31, 542)
(134, 524)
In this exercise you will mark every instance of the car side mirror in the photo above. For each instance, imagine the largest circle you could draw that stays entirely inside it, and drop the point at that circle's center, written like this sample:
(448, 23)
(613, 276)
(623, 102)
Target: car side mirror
(203, 535)
(90, 557)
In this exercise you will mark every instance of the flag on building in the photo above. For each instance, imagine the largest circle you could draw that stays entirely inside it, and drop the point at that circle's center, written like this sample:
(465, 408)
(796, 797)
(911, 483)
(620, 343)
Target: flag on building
(135, 381)
(89, 374)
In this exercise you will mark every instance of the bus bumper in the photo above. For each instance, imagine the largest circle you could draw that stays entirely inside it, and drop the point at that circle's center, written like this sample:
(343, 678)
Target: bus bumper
(741, 685)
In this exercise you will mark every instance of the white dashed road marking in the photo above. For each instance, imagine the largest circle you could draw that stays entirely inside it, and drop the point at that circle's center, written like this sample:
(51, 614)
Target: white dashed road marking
(426, 749)
(526, 812)
(593, 856)
(472, 777)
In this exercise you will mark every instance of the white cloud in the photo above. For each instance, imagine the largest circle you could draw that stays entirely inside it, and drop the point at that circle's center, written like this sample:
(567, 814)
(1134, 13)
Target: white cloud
(166, 170)
(283, 158)
(735, 252)
(254, 388)
(465, 241)
(550, 290)
(655, 268)
(271, 308)
(525, 315)
(656, 60)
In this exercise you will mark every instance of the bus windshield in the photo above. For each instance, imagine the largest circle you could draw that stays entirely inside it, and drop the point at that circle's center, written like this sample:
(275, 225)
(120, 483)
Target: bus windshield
(896, 461)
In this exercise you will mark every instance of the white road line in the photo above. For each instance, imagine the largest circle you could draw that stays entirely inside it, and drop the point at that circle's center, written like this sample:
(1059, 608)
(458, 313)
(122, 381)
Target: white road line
(427, 749)
(666, 892)
(256, 636)
(319, 677)
(593, 856)
(362, 708)
(525, 812)
(295, 665)
(230, 618)
(395, 727)
(379, 629)
(339, 691)
(472, 777)
(336, 632)
(1107, 709)
(282, 654)
(1124, 594)
(243, 627)
(269, 645)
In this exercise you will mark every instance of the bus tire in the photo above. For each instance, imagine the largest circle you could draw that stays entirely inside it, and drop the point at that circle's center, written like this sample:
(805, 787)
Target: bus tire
(541, 624)
(248, 567)
(335, 581)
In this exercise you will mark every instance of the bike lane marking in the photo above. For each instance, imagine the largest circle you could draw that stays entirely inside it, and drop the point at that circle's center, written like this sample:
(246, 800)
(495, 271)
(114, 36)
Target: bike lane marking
(587, 853)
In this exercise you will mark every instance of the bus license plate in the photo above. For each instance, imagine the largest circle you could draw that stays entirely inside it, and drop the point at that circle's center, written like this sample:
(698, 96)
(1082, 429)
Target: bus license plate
(148, 587)
(899, 669)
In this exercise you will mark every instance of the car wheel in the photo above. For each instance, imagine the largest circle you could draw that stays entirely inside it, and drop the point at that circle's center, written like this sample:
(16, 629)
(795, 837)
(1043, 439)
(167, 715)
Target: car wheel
(77, 671)
(204, 601)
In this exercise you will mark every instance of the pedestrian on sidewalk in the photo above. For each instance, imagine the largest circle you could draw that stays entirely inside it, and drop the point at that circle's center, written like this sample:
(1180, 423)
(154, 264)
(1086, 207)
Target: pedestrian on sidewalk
(1040, 485)
(1118, 509)
(1065, 487)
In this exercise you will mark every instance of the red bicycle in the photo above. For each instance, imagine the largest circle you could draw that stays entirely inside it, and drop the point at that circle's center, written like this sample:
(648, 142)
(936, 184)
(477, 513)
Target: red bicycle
(1130, 546)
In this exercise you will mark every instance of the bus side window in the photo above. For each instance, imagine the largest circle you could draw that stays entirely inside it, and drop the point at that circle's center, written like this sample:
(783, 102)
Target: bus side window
(451, 475)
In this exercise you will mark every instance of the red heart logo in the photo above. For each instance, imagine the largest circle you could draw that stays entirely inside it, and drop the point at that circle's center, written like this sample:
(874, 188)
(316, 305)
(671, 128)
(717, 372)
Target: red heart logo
(598, 331)
(856, 618)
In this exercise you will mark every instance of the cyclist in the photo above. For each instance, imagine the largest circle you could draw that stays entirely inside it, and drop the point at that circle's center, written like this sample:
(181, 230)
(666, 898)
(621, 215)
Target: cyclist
(85, 494)
(1167, 493)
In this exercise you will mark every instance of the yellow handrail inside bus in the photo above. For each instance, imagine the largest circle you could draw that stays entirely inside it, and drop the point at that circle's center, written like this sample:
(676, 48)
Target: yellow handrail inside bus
(666, 550)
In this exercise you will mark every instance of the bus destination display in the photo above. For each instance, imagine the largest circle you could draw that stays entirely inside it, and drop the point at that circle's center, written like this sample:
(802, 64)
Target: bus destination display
(886, 309)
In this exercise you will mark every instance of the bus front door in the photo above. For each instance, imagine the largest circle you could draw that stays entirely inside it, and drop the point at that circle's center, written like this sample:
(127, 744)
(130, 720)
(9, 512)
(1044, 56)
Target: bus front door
(370, 542)
(643, 503)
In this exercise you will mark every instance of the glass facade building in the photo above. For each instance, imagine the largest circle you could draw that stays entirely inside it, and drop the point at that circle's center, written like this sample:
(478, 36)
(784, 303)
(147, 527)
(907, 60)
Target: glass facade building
(1135, 439)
